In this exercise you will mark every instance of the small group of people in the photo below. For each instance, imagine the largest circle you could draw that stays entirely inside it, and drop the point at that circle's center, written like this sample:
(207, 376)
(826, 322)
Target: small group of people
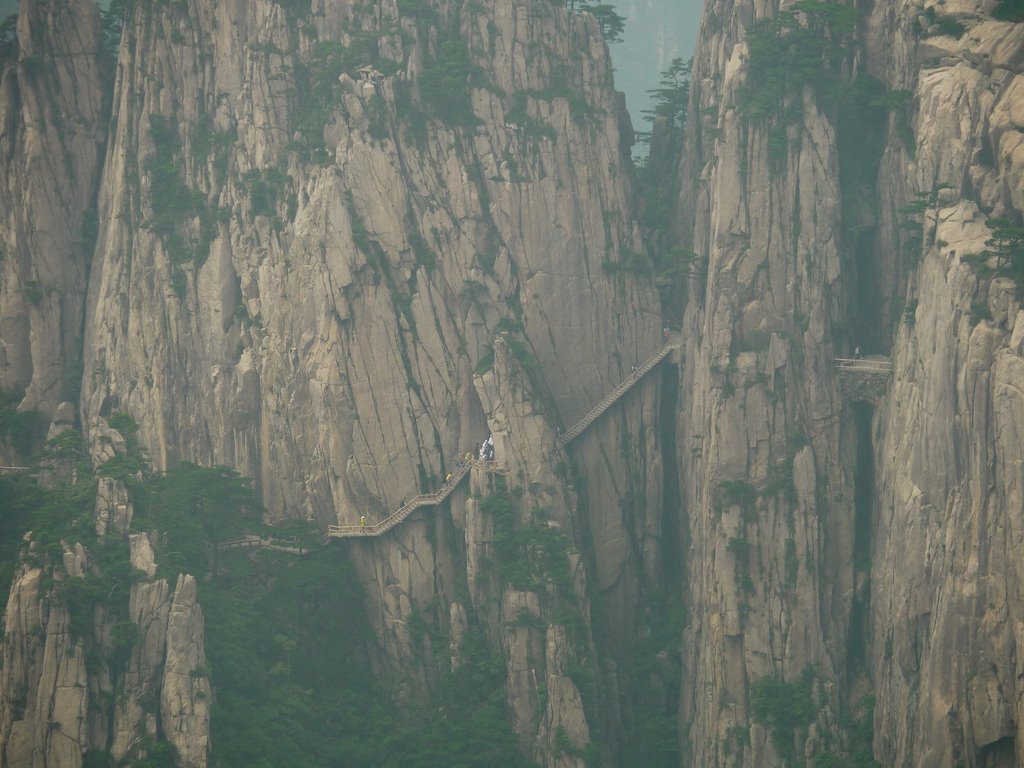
(485, 451)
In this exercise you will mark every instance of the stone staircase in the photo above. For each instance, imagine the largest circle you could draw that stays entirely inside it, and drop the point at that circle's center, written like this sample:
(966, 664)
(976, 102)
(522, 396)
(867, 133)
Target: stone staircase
(433, 499)
(423, 500)
(612, 397)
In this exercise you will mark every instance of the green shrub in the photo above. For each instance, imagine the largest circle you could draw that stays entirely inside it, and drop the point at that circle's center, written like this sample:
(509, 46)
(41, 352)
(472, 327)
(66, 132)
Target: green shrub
(1009, 10)
(445, 85)
(20, 428)
(32, 291)
(804, 44)
(784, 707)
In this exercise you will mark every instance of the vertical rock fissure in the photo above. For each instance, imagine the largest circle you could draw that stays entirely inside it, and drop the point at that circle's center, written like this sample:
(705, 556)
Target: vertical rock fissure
(860, 141)
(864, 510)
(670, 553)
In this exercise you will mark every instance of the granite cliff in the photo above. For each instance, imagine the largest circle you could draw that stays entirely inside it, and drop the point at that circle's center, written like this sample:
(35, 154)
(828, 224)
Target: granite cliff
(846, 550)
(336, 245)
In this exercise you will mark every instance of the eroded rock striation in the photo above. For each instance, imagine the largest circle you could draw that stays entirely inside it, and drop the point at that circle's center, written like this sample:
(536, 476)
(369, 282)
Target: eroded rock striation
(845, 546)
(338, 249)
(53, 89)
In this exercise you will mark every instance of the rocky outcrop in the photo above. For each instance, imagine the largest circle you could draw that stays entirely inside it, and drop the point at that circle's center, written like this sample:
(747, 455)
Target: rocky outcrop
(52, 132)
(763, 438)
(92, 663)
(185, 689)
(440, 241)
(64, 656)
(44, 704)
(338, 250)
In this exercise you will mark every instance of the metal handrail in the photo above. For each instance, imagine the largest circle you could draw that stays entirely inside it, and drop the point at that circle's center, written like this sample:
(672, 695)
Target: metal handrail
(618, 392)
(422, 500)
(863, 364)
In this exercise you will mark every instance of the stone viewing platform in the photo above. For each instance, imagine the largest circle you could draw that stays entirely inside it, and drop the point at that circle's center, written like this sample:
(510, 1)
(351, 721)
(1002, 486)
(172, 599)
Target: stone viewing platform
(864, 379)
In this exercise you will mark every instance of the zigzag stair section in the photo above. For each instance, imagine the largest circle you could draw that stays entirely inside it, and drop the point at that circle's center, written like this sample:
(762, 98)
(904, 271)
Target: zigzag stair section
(423, 500)
(433, 499)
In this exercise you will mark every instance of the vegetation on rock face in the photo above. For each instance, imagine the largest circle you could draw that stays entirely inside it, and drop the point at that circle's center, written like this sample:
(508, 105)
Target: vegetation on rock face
(804, 44)
(672, 95)
(611, 24)
(9, 38)
(785, 707)
(670, 261)
(287, 644)
(1009, 10)
(446, 82)
(1007, 246)
(181, 218)
(18, 428)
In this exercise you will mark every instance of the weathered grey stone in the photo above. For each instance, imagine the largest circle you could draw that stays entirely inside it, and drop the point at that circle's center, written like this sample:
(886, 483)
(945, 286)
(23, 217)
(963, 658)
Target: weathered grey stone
(113, 508)
(52, 131)
(185, 687)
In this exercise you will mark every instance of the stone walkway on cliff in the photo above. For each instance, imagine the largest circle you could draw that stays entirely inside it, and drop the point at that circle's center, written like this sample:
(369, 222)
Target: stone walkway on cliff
(433, 499)
(423, 500)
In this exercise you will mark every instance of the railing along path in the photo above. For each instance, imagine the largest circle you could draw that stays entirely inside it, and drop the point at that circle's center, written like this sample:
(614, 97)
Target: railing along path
(433, 499)
(876, 364)
(613, 396)
(423, 500)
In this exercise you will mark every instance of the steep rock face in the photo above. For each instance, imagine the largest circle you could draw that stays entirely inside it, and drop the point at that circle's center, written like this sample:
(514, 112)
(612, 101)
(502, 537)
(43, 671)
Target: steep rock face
(804, 260)
(43, 711)
(52, 132)
(301, 264)
(764, 450)
(330, 330)
(946, 594)
(54, 703)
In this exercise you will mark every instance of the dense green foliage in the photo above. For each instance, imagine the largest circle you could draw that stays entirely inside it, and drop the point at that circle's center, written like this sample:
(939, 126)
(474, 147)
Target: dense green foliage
(286, 636)
(21, 498)
(288, 650)
(18, 428)
(1007, 246)
(193, 507)
(784, 707)
(804, 44)
(1009, 10)
(672, 95)
(175, 205)
(657, 675)
(854, 749)
(530, 555)
(446, 82)
(9, 38)
(611, 24)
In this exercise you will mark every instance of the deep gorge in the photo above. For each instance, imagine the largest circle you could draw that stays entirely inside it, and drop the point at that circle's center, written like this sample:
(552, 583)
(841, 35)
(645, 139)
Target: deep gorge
(268, 270)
